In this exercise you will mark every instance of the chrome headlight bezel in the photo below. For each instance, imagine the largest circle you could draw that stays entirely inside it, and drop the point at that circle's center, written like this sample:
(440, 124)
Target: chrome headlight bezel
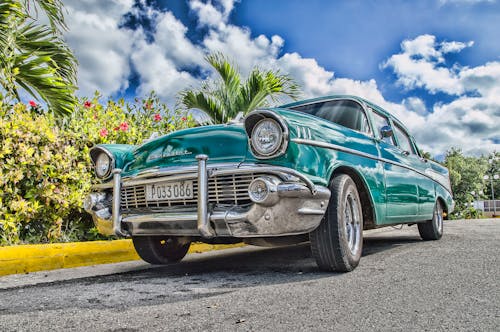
(266, 129)
(259, 118)
(101, 157)
(103, 166)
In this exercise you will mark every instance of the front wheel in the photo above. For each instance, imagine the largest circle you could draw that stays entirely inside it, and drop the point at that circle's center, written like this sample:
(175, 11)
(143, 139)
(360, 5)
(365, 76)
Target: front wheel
(433, 229)
(161, 249)
(337, 243)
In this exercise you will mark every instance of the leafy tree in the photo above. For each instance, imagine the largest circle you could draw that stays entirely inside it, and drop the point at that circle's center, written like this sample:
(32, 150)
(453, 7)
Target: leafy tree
(466, 176)
(33, 56)
(224, 98)
(493, 168)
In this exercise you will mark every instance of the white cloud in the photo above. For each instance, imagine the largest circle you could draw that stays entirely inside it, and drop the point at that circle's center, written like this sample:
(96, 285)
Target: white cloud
(209, 15)
(416, 105)
(158, 72)
(171, 37)
(237, 44)
(470, 123)
(423, 45)
(159, 63)
(102, 49)
(454, 46)
(421, 65)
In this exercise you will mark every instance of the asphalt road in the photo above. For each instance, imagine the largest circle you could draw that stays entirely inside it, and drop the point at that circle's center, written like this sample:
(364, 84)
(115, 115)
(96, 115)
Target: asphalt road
(402, 284)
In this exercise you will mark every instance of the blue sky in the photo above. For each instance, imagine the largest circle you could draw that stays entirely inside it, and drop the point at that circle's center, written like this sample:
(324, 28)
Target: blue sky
(354, 37)
(433, 63)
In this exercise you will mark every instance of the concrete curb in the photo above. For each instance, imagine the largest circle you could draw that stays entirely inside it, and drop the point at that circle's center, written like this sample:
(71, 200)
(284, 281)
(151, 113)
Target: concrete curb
(43, 257)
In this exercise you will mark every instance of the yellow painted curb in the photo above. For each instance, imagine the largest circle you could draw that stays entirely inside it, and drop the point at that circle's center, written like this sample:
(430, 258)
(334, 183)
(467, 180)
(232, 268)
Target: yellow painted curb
(43, 257)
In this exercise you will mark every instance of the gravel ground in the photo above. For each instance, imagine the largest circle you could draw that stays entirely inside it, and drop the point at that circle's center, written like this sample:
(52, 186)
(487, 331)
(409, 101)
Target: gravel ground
(402, 284)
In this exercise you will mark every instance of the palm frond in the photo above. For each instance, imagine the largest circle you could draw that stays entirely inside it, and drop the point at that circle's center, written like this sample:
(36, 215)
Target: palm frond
(10, 11)
(42, 64)
(228, 73)
(35, 57)
(53, 9)
(281, 85)
(254, 91)
(34, 39)
(197, 99)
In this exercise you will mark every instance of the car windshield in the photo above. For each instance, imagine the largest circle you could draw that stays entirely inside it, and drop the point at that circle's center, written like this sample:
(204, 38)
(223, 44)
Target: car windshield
(347, 113)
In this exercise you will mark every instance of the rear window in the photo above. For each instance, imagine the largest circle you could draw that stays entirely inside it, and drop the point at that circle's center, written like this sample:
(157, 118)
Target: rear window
(347, 113)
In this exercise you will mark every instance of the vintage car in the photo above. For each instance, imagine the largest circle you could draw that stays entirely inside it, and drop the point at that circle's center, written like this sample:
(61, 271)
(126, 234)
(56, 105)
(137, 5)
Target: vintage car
(320, 170)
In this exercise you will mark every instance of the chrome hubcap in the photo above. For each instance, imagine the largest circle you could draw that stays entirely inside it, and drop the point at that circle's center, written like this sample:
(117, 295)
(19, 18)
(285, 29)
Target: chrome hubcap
(438, 218)
(352, 220)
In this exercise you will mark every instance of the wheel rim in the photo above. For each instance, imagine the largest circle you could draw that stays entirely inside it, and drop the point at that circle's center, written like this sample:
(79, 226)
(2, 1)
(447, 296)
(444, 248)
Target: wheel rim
(438, 218)
(352, 220)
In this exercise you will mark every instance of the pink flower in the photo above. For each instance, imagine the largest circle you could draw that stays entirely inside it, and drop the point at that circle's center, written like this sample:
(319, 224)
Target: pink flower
(157, 117)
(103, 132)
(87, 104)
(32, 103)
(124, 126)
(183, 118)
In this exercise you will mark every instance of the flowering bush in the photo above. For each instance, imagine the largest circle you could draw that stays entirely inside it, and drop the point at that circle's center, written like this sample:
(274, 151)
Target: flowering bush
(45, 166)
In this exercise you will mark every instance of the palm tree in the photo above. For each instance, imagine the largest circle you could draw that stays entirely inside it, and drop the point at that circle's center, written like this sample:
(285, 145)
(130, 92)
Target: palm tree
(34, 57)
(224, 98)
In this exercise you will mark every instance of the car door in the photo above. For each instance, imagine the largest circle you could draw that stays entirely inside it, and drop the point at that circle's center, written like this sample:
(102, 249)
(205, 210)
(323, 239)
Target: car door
(417, 165)
(401, 186)
(426, 185)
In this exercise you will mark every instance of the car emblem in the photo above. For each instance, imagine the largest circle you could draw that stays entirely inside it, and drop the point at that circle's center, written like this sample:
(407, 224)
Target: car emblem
(171, 152)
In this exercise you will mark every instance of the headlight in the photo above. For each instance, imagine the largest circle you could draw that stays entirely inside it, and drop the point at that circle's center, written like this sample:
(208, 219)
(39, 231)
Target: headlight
(267, 137)
(103, 165)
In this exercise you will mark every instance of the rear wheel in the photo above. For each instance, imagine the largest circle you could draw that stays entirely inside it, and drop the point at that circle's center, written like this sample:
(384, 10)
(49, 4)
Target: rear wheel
(337, 243)
(161, 249)
(433, 229)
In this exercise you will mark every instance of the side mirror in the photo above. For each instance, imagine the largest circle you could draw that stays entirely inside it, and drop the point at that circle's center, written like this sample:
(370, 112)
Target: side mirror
(386, 131)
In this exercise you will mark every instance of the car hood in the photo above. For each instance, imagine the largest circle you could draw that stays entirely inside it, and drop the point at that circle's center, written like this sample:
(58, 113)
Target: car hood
(223, 143)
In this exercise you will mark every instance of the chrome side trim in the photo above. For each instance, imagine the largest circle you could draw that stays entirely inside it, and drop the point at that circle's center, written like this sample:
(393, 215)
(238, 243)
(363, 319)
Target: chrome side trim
(334, 147)
(366, 155)
(203, 219)
(116, 217)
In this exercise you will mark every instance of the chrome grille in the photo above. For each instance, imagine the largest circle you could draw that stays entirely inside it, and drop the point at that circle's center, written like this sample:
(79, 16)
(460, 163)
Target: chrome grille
(223, 189)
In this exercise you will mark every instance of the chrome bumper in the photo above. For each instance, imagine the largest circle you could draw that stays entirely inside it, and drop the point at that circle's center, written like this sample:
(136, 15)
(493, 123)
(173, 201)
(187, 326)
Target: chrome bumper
(297, 208)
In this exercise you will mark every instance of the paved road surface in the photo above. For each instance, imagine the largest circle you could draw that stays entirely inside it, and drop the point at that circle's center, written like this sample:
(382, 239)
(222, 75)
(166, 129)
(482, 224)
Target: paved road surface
(402, 284)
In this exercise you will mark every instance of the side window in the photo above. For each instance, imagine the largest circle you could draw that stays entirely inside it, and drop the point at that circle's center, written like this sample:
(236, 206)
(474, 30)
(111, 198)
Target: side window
(347, 113)
(403, 140)
(380, 121)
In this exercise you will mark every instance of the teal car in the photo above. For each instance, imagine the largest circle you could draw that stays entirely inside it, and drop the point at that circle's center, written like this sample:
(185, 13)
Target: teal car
(320, 170)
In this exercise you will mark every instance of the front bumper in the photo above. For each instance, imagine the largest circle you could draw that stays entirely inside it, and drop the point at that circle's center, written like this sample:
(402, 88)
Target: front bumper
(297, 206)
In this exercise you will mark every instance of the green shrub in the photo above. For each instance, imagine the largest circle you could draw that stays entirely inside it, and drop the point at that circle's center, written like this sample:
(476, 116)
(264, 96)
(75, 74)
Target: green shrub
(45, 169)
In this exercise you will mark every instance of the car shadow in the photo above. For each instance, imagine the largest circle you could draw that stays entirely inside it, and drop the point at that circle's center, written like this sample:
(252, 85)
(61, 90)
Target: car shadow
(373, 244)
(252, 265)
(198, 276)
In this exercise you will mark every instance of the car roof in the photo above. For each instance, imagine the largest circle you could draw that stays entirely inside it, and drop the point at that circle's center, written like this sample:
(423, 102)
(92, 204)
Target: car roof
(351, 97)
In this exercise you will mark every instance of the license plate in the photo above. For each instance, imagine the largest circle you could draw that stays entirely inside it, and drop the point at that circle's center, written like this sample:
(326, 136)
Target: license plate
(165, 191)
